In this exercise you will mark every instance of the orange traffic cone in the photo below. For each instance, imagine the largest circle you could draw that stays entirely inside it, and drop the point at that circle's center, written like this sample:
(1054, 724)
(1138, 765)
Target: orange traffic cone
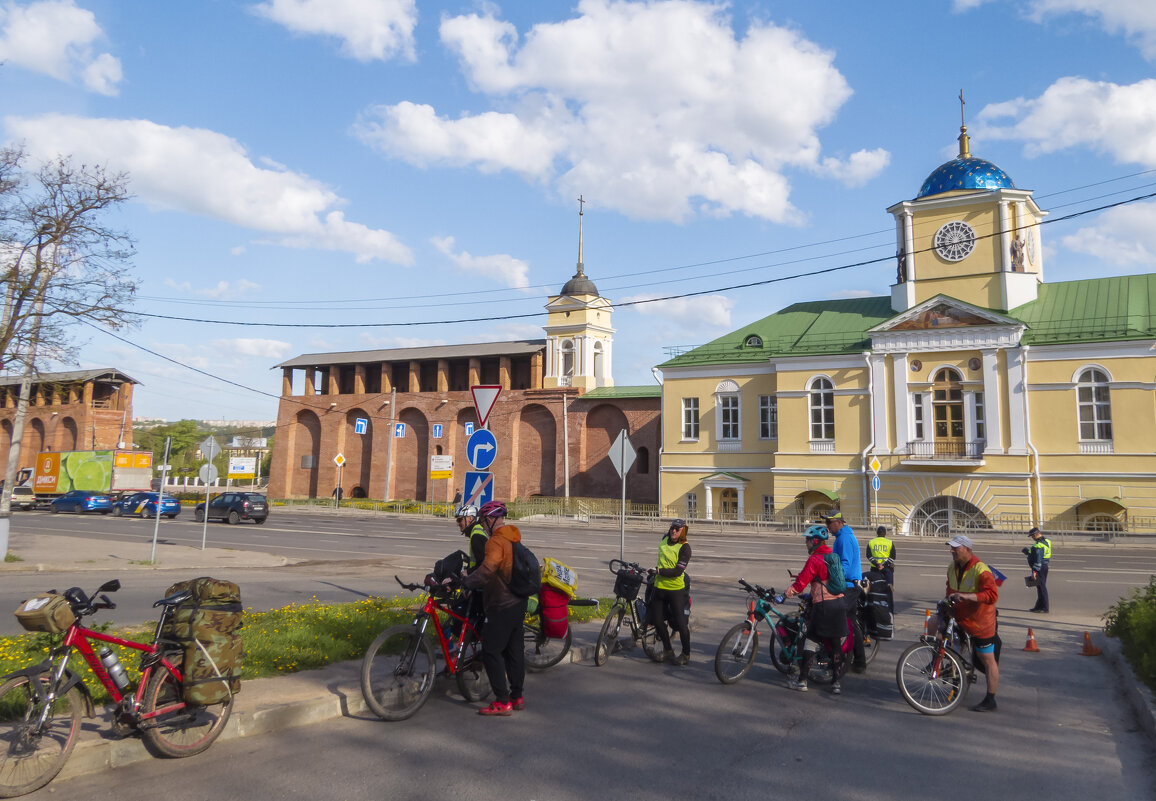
(1031, 646)
(1089, 649)
(926, 621)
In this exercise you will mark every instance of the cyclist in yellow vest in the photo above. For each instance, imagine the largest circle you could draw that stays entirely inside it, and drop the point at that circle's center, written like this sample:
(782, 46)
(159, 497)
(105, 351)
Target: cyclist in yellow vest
(671, 591)
(1039, 556)
(881, 552)
(972, 589)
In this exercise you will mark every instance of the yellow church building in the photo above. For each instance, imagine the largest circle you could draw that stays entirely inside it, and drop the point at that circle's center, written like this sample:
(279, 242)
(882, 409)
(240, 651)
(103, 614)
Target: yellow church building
(979, 395)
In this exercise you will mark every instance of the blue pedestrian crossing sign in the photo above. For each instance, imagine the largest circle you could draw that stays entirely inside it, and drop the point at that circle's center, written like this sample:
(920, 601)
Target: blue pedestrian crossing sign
(360, 425)
(399, 430)
(437, 430)
(481, 449)
(875, 483)
(479, 488)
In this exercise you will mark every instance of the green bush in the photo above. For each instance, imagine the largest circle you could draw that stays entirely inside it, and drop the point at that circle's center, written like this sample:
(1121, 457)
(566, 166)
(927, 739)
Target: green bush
(1133, 620)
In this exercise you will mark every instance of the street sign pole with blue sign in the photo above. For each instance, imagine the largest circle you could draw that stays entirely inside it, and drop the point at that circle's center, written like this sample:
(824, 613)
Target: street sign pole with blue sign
(479, 488)
(481, 449)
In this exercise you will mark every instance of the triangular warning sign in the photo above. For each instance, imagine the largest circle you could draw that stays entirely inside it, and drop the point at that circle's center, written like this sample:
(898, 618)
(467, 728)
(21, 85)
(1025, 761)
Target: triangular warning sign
(485, 396)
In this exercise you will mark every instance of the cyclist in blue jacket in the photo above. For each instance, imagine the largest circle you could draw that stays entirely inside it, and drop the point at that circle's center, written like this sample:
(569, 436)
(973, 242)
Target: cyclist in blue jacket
(847, 547)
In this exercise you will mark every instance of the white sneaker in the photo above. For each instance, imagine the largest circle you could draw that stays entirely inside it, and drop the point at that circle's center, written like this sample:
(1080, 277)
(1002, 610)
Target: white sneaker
(797, 684)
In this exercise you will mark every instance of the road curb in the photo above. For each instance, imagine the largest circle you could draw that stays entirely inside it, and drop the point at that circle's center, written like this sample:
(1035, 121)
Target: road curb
(1137, 694)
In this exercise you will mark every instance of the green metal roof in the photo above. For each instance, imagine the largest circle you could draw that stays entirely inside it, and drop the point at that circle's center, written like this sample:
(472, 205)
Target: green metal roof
(1091, 310)
(811, 328)
(605, 393)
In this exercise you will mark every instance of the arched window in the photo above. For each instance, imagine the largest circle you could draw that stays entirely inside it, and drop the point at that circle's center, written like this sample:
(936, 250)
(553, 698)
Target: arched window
(599, 356)
(947, 412)
(566, 352)
(753, 341)
(1093, 406)
(822, 396)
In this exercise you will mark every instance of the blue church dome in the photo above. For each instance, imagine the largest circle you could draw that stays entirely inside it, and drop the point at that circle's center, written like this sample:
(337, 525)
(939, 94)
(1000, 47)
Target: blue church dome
(965, 172)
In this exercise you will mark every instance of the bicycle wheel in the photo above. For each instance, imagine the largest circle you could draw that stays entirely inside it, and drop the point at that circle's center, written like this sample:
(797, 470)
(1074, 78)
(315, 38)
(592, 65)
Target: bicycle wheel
(473, 683)
(870, 647)
(934, 683)
(736, 653)
(31, 758)
(397, 673)
(651, 644)
(607, 642)
(544, 652)
(178, 729)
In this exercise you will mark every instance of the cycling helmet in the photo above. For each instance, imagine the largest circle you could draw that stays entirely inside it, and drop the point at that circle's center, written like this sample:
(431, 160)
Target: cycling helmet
(816, 532)
(469, 510)
(493, 509)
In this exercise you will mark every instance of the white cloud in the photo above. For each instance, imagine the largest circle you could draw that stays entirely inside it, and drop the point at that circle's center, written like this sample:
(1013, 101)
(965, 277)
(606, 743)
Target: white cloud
(1124, 236)
(203, 172)
(1119, 120)
(1136, 19)
(659, 107)
(702, 311)
(499, 266)
(367, 29)
(263, 348)
(56, 38)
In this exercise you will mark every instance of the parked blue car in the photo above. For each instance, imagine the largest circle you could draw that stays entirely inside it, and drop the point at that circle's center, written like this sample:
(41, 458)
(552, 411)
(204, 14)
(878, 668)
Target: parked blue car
(144, 504)
(82, 501)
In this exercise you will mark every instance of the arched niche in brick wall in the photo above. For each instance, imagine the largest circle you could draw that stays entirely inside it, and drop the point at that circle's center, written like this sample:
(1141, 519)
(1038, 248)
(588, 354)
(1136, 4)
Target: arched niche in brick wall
(304, 454)
(34, 436)
(537, 451)
(358, 452)
(598, 477)
(411, 457)
(67, 435)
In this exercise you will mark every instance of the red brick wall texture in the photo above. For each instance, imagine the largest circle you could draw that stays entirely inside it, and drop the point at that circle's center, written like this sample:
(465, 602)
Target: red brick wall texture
(527, 424)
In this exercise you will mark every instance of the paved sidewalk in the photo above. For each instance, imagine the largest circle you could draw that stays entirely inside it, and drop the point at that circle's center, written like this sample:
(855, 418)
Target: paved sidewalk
(41, 554)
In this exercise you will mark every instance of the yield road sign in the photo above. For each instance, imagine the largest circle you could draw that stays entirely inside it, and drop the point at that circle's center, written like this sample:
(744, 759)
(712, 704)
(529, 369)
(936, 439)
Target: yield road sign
(479, 488)
(485, 396)
(482, 449)
(622, 454)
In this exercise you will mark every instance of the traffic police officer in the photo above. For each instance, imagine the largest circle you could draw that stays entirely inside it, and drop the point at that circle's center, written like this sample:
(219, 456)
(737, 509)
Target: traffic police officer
(1039, 556)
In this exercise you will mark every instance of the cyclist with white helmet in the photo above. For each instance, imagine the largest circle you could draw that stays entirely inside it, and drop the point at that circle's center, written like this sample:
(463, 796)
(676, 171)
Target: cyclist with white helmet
(473, 530)
(503, 651)
(828, 622)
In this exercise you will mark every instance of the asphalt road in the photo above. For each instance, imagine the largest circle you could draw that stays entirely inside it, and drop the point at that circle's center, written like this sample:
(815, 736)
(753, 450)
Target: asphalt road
(347, 557)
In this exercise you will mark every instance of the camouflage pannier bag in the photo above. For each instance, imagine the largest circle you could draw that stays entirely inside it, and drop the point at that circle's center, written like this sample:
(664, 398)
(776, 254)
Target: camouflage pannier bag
(207, 625)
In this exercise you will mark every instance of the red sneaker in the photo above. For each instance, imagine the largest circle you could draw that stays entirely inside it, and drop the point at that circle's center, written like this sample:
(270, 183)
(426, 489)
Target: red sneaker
(498, 708)
(518, 703)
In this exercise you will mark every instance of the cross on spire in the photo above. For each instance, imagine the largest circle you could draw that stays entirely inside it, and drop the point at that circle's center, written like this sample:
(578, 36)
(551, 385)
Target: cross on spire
(964, 139)
(581, 203)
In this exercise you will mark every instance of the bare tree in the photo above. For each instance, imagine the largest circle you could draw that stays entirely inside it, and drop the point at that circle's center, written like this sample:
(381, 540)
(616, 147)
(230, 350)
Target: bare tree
(60, 263)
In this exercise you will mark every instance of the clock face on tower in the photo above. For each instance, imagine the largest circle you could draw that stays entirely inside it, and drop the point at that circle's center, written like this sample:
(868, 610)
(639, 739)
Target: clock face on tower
(955, 241)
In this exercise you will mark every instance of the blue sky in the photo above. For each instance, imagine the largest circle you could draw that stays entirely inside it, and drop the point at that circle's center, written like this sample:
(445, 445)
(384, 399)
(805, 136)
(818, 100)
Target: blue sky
(360, 162)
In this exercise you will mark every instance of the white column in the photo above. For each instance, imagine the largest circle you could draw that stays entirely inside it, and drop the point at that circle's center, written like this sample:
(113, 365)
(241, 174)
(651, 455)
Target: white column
(909, 245)
(709, 506)
(608, 373)
(742, 503)
(879, 400)
(901, 402)
(991, 389)
(1017, 428)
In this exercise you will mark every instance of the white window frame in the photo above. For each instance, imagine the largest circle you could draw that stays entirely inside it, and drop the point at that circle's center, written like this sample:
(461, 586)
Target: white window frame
(769, 417)
(827, 412)
(729, 417)
(691, 505)
(918, 416)
(690, 407)
(1089, 381)
(978, 421)
(768, 506)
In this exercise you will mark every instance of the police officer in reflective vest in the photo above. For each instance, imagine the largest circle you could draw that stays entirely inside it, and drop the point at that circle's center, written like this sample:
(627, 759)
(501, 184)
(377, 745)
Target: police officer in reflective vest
(881, 551)
(1039, 556)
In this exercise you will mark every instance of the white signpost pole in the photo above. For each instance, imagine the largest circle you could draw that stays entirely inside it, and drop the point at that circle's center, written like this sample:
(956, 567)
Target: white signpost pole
(622, 455)
(160, 499)
(208, 473)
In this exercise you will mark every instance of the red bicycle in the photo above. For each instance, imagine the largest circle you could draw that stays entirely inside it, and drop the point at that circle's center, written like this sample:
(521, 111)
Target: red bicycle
(399, 668)
(41, 706)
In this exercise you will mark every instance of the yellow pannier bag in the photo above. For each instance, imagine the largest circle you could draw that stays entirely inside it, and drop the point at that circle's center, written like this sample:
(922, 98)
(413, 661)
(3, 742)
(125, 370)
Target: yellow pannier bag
(560, 576)
(46, 612)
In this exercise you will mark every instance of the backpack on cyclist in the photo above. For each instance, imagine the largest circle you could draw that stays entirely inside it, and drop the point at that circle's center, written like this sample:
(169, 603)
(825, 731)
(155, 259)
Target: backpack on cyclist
(526, 574)
(206, 625)
(836, 583)
(879, 617)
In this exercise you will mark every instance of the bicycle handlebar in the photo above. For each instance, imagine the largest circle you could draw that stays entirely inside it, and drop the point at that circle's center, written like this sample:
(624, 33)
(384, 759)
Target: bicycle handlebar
(618, 565)
(767, 594)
